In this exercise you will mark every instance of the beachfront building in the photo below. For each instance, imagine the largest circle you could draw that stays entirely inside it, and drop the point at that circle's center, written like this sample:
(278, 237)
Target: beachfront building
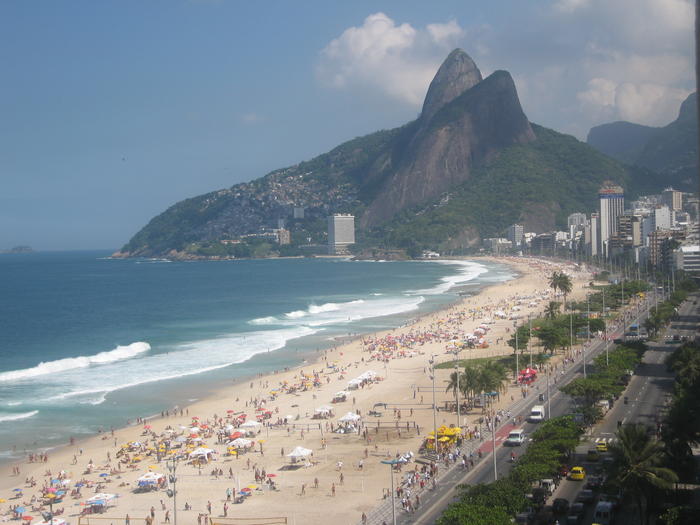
(612, 205)
(515, 234)
(341, 233)
(687, 258)
(673, 199)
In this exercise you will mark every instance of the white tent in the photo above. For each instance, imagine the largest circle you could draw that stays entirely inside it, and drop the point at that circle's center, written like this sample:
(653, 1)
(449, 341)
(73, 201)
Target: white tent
(300, 452)
(250, 424)
(201, 451)
(324, 408)
(101, 498)
(354, 384)
(240, 443)
(350, 417)
(150, 476)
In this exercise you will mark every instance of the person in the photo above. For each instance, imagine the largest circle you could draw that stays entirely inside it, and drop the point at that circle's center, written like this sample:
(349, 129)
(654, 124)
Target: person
(512, 456)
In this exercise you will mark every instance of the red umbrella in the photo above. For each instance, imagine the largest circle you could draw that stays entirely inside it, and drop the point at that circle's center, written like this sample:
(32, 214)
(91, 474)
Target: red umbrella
(147, 427)
(236, 435)
(229, 411)
(27, 518)
(272, 475)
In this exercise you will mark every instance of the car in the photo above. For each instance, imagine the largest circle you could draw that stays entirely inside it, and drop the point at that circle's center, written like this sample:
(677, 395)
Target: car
(601, 446)
(594, 482)
(593, 455)
(515, 438)
(585, 496)
(560, 506)
(577, 474)
(676, 337)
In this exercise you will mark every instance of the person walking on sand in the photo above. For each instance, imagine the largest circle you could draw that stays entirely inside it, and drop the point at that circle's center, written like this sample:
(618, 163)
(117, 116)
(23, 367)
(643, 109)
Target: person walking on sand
(167, 516)
(127, 520)
(303, 489)
(333, 489)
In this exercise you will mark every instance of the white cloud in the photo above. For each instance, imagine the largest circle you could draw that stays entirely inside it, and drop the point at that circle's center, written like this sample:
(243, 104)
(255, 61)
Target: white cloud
(252, 118)
(569, 6)
(396, 60)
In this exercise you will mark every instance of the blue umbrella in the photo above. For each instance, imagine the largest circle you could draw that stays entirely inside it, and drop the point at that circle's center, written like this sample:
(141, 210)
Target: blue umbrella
(81, 484)
(98, 502)
(104, 475)
(19, 510)
(17, 490)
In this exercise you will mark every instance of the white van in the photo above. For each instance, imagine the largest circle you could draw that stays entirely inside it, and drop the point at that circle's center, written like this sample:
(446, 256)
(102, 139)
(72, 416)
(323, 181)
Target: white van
(515, 438)
(603, 513)
(536, 414)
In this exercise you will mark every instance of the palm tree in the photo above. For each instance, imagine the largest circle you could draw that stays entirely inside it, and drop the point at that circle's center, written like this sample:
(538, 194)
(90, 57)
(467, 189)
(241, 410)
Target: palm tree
(562, 282)
(552, 310)
(635, 467)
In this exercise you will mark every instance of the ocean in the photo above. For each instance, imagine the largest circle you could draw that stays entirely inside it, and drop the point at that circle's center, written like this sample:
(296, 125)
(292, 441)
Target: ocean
(89, 342)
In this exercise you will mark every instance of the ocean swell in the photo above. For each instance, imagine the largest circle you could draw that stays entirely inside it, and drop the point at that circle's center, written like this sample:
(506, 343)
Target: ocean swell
(120, 353)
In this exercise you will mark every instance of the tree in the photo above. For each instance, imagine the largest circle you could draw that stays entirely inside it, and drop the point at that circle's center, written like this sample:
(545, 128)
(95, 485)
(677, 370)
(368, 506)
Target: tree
(562, 282)
(636, 466)
(552, 310)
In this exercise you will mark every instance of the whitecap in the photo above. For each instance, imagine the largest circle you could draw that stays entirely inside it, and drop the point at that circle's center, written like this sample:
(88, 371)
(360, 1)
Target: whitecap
(120, 353)
(5, 416)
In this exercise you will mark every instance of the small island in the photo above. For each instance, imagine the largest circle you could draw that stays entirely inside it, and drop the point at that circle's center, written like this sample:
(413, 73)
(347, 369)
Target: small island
(19, 249)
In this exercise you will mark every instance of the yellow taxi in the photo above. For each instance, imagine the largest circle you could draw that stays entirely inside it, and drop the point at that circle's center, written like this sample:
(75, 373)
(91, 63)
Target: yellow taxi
(601, 446)
(577, 473)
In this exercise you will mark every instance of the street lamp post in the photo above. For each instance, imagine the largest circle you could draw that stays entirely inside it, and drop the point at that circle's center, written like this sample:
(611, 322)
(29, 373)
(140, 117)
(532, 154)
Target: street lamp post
(529, 339)
(391, 464)
(588, 319)
(606, 329)
(517, 367)
(457, 373)
(493, 443)
(432, 373)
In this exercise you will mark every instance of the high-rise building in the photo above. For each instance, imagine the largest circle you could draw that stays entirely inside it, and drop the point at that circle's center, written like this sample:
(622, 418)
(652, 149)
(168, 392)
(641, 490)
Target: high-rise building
(593, 236)
(341, 233)
(629, 227)
(515, 234)
(612, 205)
(663, 218)
(672, 198)
(577, 219)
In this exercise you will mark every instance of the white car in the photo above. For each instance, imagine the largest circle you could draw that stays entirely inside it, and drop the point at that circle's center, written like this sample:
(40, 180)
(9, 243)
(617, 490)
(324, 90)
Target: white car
(515, 438)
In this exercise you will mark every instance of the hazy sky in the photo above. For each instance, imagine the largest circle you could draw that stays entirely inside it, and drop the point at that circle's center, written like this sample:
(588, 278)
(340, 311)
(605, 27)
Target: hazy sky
(111, 111)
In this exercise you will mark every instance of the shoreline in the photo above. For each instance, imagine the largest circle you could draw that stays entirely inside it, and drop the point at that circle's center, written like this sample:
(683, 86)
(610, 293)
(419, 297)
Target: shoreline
(352, 358)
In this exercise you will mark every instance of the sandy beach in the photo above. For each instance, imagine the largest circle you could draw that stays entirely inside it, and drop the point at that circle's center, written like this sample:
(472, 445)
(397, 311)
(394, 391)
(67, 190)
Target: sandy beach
(344, 475)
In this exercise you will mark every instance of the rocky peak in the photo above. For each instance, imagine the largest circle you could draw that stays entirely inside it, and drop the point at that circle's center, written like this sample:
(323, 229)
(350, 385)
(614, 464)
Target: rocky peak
(457, 74)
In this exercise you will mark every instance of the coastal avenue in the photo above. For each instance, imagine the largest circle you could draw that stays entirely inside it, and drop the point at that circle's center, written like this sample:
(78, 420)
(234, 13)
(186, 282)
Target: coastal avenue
(646, 393)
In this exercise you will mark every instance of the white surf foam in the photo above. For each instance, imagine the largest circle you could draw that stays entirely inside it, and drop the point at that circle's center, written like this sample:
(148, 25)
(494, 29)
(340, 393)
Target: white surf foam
(120, 353)
(341, 313)
(467, 271)
(183, 360)
(4, 416)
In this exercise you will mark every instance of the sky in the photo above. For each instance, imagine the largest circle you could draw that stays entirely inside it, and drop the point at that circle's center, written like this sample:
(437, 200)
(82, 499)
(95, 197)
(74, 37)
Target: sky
(112, 111)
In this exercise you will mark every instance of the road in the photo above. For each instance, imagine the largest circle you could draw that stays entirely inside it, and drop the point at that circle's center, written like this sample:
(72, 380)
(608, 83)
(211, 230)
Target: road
(647, 393)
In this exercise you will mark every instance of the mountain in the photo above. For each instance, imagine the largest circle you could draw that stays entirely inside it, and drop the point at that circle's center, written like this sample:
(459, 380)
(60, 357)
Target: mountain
(467, 167)
(671, 151)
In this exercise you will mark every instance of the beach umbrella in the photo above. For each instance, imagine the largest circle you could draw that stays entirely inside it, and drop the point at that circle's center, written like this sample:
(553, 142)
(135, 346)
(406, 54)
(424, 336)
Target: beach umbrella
(27, 518)
(252, 487)
(104, 475)
(80, 484)
(2, 500)
(17, 490)
(147, 427)
(272, 475)
(20, 510)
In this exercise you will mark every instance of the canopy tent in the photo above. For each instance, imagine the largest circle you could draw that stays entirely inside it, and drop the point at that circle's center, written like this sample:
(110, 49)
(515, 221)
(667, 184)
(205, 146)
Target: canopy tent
(350, 417)
(251, 424)
(201, 451)
(100, 499)
(300, 452)
(240, 442)
(323, 408)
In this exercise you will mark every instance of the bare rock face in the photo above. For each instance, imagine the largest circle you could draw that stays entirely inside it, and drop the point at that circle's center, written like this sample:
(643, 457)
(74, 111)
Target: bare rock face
(457, 74)
(450, 140)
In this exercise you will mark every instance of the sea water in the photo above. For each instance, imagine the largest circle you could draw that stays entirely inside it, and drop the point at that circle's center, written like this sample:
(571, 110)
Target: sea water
(88, 342)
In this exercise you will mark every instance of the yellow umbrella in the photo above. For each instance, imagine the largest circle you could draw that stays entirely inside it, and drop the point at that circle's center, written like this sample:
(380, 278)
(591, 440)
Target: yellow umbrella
(252, 487)
(443, 439)
(153, 467)
(2, 500)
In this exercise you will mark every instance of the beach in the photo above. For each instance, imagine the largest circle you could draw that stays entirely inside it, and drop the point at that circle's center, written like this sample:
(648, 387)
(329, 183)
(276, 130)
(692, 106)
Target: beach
(344, 475)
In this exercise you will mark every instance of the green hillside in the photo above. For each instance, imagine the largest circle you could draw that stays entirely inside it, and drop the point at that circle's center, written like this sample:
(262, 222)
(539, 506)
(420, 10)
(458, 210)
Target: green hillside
(553, 177)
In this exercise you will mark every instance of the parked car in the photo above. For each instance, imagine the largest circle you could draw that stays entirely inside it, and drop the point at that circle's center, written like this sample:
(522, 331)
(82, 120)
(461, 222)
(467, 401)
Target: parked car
(594, 482)
(585, 496)
(577, 474)
(560, 506)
